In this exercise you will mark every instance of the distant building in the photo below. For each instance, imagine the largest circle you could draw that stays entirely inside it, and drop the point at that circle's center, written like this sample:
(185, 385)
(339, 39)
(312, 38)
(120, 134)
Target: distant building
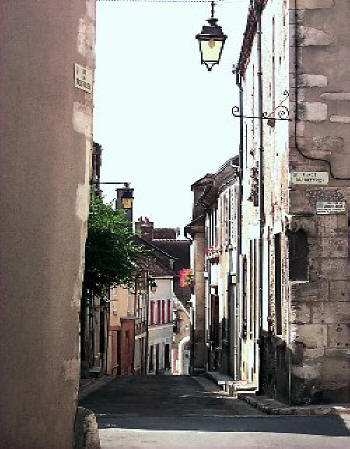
(214, 257)
(140, 324)
(169, 306)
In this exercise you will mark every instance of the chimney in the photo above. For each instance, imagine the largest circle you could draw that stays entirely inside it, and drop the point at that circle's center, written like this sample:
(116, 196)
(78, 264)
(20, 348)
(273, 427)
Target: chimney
(144, 228)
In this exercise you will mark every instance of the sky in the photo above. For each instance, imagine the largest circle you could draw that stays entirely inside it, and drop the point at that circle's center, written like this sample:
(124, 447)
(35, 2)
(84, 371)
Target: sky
(162, 119)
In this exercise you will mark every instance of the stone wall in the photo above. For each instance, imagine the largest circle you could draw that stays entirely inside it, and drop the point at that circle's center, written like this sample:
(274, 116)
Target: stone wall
(304, 334)
(319, 309)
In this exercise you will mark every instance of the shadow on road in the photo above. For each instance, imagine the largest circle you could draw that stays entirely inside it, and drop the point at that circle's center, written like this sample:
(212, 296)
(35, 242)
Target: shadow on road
(182, 404)
(303, 425)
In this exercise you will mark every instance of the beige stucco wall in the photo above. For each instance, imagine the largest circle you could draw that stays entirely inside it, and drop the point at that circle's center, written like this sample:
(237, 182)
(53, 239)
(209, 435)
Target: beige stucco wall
(200, 353)
(45, 139)
(122, 304)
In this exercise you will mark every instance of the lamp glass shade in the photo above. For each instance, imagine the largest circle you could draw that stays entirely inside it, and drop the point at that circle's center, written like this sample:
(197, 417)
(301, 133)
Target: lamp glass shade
(154, 287)
(127, 203)
(211, 50)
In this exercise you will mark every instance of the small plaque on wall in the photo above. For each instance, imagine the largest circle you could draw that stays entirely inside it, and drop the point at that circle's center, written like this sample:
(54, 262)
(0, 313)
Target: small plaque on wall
(330, 208)
(83, 78)
(319, 178)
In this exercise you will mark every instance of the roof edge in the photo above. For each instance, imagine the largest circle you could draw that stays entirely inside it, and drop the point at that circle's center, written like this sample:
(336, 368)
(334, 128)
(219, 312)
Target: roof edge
(256, 8)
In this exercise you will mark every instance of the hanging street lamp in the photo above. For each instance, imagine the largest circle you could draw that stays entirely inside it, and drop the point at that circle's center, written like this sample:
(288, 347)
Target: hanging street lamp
(153, 286)
(211, 41)
(127, 199)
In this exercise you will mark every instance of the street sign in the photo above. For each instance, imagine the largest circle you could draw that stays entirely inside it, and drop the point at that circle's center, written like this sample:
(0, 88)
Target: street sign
(311, 178)
(330, 208)
(83, 78)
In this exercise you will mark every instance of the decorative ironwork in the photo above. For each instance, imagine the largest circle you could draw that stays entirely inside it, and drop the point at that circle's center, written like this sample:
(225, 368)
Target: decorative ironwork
(281, 112)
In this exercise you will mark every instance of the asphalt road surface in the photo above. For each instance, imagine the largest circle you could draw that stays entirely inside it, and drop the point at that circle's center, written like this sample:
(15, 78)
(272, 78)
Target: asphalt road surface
(173, 412)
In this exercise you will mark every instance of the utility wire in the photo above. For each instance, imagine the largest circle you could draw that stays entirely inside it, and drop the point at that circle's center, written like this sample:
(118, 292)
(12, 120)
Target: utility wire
(241, 2)
(163, 1)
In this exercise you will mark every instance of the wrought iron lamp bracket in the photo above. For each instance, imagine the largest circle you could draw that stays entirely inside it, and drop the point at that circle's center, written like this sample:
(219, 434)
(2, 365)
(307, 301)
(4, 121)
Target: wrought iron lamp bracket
(281, 112)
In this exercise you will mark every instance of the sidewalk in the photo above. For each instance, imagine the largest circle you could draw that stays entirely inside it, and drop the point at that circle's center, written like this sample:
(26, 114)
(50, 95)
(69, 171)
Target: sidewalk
(273, 407)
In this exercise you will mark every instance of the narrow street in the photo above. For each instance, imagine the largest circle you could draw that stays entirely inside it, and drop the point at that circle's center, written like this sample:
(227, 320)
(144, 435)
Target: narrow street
(190, 413)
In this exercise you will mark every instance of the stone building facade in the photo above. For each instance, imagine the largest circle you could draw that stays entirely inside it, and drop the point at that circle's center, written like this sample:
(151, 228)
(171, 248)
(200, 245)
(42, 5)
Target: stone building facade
(294, 280)
(214, 257)
(45, 141)
(288, 336)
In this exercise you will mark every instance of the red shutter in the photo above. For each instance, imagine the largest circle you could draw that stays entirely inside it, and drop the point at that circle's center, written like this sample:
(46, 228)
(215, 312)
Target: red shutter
(169, 311)
(159, 312)
(152, 313)
(163, 311)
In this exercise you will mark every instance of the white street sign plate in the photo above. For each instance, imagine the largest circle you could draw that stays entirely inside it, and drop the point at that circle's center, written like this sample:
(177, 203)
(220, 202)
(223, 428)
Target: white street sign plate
(83, 78)
(330, 208)
(320, 178)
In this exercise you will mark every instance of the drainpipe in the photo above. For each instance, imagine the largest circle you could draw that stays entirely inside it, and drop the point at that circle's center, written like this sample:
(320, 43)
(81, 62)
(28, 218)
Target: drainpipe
(261, 180)
(239, 233)
(146, 277)
(134, 339)
(296, 77)
(192, 339)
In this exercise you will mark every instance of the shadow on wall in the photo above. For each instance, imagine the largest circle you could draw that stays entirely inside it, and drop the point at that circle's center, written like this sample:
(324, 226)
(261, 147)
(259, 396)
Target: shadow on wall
(275, 381)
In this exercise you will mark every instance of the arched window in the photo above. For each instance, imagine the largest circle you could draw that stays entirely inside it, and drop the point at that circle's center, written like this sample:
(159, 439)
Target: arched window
(298, 255)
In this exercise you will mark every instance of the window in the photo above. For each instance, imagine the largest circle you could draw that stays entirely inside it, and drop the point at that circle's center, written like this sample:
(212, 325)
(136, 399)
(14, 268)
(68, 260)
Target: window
(284, 8)
(273, 66)
(150, 359)
(253, 286)
(163, 312)
(169, 311)
(159, 316)
(229, 216)
(226, 215)
(349, 235)
(152, 313)
(278, 285)
(167, 357)
(244, 297)
(298, 256)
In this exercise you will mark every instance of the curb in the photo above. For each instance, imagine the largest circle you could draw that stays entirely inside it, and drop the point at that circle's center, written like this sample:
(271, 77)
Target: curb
(273, 407)
(86, 433)
(92, 386)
